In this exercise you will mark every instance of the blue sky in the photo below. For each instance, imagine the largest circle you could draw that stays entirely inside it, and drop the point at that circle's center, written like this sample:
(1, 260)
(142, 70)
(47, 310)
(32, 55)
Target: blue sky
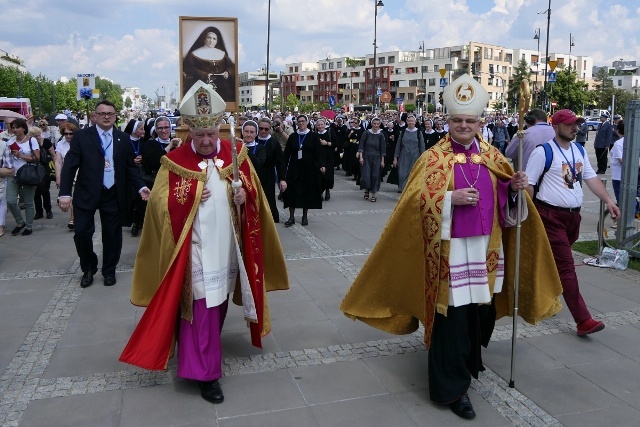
(135, 42)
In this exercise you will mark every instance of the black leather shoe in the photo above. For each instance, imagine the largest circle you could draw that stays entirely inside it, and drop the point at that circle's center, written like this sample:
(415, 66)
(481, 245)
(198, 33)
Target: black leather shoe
(305, 221)
(211, 391)
(134, 230)
(290, 222)
(327, 195)
(49, 215)
(110, 280)
(463, 408)
(87, 278)
(38, 216)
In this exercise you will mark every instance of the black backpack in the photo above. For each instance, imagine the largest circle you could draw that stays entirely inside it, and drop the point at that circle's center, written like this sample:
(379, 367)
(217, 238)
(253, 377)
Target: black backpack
(47, 161)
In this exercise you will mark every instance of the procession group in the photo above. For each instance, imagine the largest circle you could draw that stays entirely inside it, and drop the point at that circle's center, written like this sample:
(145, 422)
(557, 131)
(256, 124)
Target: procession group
(207, 210)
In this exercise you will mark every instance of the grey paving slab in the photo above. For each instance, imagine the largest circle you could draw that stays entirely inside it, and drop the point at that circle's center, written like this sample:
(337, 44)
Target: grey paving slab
(424, 412)
(563, 391)
(402, 372)
(170, 404)
(283, 311)
(365, 412)
(298, 417)
(303, 334)
(614, 416)
(257, 393)
(79, 334)
(335, 382)
(573, 350)
(528, 358)
(83, 360)
(100, 410)
(359, 332)
(619, 377)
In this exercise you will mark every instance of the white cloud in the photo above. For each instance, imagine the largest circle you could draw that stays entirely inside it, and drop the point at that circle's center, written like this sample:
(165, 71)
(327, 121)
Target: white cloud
(135, 42)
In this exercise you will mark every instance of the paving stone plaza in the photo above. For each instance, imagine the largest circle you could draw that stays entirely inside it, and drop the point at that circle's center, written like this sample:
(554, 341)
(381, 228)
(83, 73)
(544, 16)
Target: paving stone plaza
(60, 344)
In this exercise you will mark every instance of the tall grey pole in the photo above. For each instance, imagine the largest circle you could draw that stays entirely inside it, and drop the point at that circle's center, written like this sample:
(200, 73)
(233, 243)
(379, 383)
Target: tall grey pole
(266, 78)
(546, 61)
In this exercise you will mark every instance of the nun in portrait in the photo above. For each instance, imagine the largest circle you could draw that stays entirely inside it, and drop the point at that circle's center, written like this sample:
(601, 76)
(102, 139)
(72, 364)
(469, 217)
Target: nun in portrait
(208, 60)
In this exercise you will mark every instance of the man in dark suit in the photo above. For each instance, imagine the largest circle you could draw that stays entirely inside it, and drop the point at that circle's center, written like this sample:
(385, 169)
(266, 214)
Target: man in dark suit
(604, 140)
(103, 159)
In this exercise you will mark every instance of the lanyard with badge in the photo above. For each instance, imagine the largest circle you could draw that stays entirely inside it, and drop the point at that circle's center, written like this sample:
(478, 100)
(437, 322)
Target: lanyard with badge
(572, 166)
(107, 164)
(300, 142)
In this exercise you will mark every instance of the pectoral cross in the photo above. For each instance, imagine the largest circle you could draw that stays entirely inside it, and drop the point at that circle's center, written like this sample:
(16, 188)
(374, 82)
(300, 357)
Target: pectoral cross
(181, 190)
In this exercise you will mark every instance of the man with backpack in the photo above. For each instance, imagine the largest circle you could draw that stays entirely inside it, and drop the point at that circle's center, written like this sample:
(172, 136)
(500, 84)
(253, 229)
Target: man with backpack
(556, 171)
(536, 134)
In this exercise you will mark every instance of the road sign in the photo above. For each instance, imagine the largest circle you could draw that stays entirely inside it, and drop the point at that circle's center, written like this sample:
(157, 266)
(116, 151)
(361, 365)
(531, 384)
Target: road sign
(553, 64)
(379, 92)
(443, 71)
(443, 82)
(399, 101)
(332, 101)
(552, 77)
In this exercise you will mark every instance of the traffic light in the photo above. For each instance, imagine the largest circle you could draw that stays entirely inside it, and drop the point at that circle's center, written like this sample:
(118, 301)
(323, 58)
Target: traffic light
(474, 68)
(440, 98)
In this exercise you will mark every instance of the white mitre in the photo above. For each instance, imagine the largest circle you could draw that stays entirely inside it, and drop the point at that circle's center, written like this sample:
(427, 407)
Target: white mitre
(465, 96)
(201, 107)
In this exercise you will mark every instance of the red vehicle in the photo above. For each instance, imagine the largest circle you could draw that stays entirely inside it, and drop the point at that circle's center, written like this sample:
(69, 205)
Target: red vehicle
(19, 105)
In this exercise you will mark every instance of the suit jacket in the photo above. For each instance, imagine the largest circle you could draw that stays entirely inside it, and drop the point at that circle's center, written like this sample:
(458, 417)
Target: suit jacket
(86, 157)
(604, 136)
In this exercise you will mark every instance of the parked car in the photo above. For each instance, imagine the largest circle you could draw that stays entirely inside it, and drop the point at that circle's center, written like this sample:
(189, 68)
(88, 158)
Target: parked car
(592, 122)
(174, 121)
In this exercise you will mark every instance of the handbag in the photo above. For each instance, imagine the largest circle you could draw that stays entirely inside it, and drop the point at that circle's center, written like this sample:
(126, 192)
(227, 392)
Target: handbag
(31, 173)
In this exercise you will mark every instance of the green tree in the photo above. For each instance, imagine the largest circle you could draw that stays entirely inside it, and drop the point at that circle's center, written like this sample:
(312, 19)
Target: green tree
(520, 73)
(568, 91)
(431, 108)
(603, 88)
(292, 101)
(410, 108)
(127, 102)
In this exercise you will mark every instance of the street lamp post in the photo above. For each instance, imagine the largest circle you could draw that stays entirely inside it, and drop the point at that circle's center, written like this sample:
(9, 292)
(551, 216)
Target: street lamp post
(423, 85)
(571, 44)
(546, 62)
(375, 52)
(537, 37)
(266, 79)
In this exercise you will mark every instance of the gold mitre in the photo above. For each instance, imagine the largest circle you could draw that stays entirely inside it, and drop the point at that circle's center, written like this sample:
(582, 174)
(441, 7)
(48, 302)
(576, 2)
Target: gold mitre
(465, 96)
(202, 107)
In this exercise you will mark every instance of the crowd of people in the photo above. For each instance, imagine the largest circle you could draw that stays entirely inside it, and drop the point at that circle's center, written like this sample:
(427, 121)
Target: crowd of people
(198, 206)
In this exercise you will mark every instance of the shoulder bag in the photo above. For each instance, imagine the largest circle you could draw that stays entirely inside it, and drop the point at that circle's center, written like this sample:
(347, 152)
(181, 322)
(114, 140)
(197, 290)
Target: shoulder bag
(32, 173)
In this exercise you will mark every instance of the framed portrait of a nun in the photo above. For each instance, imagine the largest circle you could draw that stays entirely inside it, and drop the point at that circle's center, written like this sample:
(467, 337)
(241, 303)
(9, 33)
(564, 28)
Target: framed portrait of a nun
(209, 52)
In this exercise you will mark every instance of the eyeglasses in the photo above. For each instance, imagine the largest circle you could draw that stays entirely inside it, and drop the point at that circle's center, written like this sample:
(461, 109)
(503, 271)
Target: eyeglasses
(105, 114)
(163, 128)
(68, 133)
(458, 120)
(261, 128)
(42, 125)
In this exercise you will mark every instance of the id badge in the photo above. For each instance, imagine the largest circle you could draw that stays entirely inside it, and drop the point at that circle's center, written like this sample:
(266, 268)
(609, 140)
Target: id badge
(299, 154)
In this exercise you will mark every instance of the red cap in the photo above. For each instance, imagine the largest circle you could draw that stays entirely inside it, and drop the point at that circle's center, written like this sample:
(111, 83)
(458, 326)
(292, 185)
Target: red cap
(564, 116)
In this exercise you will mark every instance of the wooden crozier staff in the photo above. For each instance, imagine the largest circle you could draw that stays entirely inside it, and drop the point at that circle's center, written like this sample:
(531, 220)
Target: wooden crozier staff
(524, 101)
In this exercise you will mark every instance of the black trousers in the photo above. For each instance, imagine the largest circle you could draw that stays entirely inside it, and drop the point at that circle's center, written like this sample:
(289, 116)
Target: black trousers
(601, 157)
(43, 196)
(454, 355)
(84, 227)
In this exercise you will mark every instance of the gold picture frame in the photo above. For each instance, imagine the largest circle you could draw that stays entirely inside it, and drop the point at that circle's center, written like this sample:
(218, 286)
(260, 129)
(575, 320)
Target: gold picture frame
(209, 52)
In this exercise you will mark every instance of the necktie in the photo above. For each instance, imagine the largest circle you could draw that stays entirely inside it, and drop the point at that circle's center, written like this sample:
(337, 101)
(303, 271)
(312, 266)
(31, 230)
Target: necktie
(108, 178)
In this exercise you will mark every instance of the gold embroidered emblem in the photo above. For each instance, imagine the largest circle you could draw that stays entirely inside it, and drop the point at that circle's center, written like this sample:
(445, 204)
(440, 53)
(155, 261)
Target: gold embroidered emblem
(181, 190)
(460, 158)
(476, 158)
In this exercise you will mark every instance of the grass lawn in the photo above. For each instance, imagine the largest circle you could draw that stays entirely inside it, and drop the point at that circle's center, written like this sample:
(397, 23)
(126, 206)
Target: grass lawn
(590, 247)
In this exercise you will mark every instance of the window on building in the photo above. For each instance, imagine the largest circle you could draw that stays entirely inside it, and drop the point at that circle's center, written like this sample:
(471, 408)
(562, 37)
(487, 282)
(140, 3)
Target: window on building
(432, 82)
(331, 65)
(392, 60)
(296, 69)
(447, 67)
(356, 85)
(436, 68)
(324, 65)
(425, 68)
(410, 96)
(291, 69)
(619, 82)
(504, 69)
(508, 57)
(339, 64)
(381, 60)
